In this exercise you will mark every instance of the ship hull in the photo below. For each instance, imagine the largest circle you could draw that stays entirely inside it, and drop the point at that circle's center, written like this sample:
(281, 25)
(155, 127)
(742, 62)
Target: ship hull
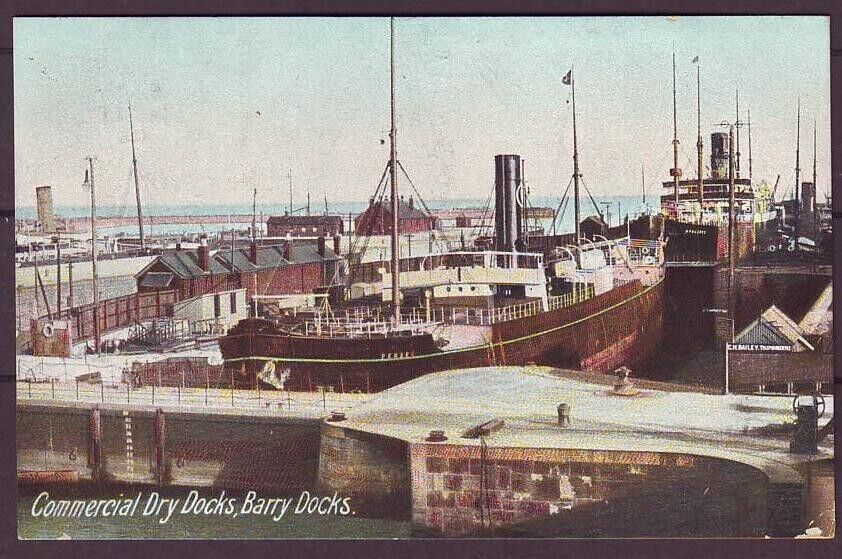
(620, 327)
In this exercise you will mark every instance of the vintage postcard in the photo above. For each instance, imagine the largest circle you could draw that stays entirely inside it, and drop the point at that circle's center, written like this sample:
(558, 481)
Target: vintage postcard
(500, 277)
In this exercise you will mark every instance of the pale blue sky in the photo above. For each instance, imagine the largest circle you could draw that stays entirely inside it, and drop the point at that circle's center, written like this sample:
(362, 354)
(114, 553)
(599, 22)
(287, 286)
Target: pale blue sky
(468, 88)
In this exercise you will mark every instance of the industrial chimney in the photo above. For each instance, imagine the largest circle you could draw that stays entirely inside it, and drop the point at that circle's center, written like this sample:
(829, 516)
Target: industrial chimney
(253, 252)
(337, 244)
(321, 244)
(44, 199)
(719, 149)
(507, 213)
(204, 255)
(288, 249)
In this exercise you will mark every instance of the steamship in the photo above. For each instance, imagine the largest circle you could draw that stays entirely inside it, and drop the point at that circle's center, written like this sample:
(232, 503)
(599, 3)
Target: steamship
(698, 211)
(593, 304)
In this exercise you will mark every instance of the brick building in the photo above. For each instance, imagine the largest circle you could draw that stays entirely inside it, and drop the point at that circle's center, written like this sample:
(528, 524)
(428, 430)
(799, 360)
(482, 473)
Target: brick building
(305, 225)
(377, 218)
(287, 268)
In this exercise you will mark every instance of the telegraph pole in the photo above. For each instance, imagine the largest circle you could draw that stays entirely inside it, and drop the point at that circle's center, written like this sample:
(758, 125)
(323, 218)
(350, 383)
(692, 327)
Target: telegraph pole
(94, 253)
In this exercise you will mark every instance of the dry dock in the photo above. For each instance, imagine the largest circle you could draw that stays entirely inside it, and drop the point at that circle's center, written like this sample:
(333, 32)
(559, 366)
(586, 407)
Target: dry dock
(691, 463)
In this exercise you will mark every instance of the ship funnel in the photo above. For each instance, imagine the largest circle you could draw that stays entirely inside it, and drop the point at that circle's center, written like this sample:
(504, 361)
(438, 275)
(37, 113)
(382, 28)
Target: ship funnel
(507, 213)
(719, 155)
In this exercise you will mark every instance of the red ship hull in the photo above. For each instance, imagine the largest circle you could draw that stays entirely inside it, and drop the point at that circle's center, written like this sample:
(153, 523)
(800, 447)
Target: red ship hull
(620, 327)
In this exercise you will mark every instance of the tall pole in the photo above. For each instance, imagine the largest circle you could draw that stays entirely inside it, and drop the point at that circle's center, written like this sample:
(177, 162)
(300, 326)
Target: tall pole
(815, 144)
(254, 216)
(732, 256)
(94, 255)
(57, 240)
(749, 145)
(798, 170)
(70, 283)
(290, 191)
(576, 175)
(699, 143)
(136, 185)
(675, 171)
(738, 126)
(643, 184)
(393, 168)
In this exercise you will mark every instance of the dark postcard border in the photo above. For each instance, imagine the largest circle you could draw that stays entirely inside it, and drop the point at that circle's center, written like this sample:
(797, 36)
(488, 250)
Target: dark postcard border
(10, 547)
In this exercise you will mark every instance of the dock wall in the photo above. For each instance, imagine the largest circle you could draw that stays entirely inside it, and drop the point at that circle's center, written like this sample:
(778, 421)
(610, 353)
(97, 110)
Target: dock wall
(129, 444)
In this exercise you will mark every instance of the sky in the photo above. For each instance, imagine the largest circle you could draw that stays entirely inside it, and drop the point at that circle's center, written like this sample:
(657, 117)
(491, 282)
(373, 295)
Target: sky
(223, 105)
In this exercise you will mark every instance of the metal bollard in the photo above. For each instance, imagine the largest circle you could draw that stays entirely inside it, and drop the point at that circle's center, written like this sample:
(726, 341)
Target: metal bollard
(563, 415)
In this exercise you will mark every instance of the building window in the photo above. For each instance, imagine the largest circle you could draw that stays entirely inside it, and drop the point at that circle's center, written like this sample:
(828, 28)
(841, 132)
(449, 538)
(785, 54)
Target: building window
(217, 310)
(234, 302)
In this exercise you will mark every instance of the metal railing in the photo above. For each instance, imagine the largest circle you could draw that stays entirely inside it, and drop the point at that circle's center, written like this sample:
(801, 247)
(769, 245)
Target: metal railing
(225, 400)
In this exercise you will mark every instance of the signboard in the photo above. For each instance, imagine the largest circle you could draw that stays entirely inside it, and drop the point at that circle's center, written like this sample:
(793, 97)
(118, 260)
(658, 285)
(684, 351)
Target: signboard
(759, 348)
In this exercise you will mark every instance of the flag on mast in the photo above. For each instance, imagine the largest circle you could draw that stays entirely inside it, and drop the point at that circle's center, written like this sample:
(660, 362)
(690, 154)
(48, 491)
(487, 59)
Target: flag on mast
(695, 60)
(567, 77)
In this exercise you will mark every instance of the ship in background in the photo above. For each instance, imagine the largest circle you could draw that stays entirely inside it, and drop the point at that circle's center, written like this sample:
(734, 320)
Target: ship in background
(698, 212)
(593, 304)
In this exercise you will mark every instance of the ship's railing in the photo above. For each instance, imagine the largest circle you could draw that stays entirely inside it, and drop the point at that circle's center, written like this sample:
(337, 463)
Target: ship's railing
(366, 321)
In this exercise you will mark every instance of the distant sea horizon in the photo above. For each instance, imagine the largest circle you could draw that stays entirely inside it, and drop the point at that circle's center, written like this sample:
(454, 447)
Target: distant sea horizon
(341, 207)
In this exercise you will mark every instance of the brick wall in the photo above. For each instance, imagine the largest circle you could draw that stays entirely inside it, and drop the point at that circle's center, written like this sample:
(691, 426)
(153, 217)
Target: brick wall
(456, 492)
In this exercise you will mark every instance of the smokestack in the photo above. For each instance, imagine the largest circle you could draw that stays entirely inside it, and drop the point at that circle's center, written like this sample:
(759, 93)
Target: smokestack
(44, 199)
(288, 249)
(204, 255)
(253, 252)
(507, 212)
(321, 244)
(719, 149)
(337, 244)
(808, 197)
(411, 202)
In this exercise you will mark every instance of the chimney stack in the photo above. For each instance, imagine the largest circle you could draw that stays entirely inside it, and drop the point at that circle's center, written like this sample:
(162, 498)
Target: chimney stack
(288, 250)
(411, 202)
(204, 255)
(253, 253)
(337, 244)
(321, 244)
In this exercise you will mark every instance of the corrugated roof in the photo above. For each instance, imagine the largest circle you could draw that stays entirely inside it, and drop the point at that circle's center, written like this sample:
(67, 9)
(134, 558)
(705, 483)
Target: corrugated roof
(185, 263)
(773, 327)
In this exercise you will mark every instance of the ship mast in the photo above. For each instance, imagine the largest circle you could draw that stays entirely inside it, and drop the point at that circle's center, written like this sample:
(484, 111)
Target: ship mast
(738, 125)
(576, 175)
(675, 171)
(94, 251)
(699, 143)
(815, 188)
(136, 185)
(643, 184)
(396, 293)
(797, 156)
(749, 145)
